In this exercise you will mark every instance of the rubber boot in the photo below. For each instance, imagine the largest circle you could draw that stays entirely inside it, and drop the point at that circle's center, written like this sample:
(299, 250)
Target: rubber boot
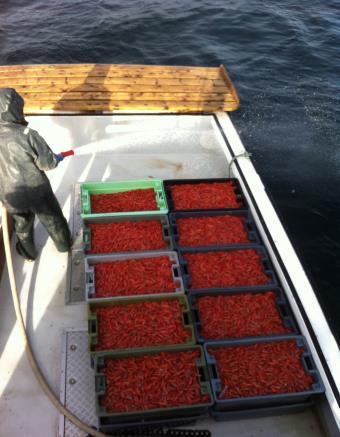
(62, 239)
(26, 247)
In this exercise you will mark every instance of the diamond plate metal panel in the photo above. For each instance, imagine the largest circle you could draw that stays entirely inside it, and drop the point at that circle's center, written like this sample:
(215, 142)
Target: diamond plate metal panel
(77, 391)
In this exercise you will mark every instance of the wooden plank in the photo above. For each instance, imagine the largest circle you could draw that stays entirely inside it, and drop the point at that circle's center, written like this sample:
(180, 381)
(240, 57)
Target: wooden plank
(92, 87)
(102, 106)
(86, 88)
(117, 81)
(109, 73)
(114, 66)
(117, 75)
(226, 77)
(206, 71)
(55, 97)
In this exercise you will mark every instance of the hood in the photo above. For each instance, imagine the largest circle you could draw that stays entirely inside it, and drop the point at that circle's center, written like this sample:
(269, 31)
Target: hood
(11, 107)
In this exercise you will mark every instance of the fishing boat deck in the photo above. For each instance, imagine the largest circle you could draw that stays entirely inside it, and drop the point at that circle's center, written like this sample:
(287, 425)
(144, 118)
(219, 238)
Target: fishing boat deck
(88, 88)
(123, 147)
(138, 146)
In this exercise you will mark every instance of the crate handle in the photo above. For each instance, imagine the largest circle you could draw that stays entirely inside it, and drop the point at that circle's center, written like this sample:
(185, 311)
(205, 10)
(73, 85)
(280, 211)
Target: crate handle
(250, 228)
(87, 238)
(175, 230)
(185, 268)
(90, 276)
(253, 237)
(93, 325)
(205, 389)
(307, 360)
(282, 309)
(194, 312)
(84, 197)
(100, 384)
(160, 197)
(185, 318)
(90, 290)
(86, 235)
(265, 264)
(166, 232)
(175, 271)
(214, 371)
(168, 196)
(86, 201)
(201, 374)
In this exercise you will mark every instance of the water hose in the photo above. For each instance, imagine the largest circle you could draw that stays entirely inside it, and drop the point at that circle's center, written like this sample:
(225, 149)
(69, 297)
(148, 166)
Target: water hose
(28, 349)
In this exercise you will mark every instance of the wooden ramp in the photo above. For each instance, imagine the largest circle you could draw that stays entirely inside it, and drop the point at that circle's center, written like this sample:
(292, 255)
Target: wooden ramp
(107, 88)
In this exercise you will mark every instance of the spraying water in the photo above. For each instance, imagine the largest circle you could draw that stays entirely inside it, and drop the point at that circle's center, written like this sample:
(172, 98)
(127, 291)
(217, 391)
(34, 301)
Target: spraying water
(89, 149)
(118, 136)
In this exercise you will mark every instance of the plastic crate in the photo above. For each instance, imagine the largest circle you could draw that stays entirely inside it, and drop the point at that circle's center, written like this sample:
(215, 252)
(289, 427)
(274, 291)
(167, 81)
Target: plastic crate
(281, 305)
(276, 410)
(89, 188)
(93, 322)
(163, 219)
(266, 400)
(267, 268)
(237, 188)
(91, 260)
(158, 413)
(150, 427)
(250, 227)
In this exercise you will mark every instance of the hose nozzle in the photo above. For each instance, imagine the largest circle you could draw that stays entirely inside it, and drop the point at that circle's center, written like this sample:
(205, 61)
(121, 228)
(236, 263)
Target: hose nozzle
(67, 153)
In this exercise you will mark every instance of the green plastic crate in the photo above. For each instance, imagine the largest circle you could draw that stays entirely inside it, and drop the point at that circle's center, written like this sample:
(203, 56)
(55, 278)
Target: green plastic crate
(93, 322)
(161, 413)
(89, 188)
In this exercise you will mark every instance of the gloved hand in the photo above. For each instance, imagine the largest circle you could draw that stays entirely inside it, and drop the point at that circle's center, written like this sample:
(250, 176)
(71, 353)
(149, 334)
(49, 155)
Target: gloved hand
(59, 157)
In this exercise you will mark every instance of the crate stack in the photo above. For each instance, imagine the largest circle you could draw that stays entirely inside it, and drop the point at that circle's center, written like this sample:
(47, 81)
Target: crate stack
(141, 336)
(186, 315)
(258, 362)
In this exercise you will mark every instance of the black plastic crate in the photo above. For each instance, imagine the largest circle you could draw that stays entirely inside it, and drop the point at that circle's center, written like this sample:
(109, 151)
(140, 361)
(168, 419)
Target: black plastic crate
(241, 403)
(237, 189)
(249, 227)
(157, 413)
(266, 264)
(276, 410)
(282, 306)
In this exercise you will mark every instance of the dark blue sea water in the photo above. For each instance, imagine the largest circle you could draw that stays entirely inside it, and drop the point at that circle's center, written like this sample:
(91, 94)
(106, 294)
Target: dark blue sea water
(284, 58)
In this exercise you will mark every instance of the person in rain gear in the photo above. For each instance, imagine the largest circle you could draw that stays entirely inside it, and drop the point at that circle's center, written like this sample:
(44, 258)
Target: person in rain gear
(24, 188)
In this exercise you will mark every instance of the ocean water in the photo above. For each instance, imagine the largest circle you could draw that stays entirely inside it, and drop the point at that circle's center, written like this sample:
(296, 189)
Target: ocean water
(284, 58)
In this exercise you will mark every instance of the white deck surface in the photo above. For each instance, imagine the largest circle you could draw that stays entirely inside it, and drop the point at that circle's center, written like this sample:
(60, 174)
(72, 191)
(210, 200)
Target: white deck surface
(140, 147)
